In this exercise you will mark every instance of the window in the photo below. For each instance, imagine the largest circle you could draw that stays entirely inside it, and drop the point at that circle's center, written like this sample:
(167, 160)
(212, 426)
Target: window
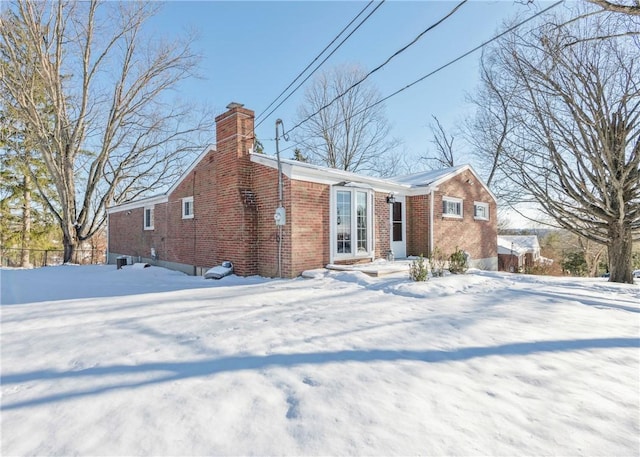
(397, 221)
(344, 222)
(148, 218)
(352, 230)
(451, 207)
(361, 211)
(187, 208)
(481, 211)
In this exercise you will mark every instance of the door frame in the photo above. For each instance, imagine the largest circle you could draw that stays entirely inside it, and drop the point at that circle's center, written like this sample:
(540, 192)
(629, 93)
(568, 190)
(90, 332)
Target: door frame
(399, 248)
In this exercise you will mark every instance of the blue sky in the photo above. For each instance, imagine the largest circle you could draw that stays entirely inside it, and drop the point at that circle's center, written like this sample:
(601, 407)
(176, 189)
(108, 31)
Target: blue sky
(253, 49)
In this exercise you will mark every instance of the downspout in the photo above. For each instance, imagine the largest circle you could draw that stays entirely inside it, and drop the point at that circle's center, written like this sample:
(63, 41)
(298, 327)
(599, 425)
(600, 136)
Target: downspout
(431, 223)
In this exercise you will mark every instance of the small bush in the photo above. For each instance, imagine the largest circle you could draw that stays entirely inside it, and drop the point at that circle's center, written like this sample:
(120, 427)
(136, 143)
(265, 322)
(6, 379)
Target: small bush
(418, 270)
(539, 268)
(458, 262)
(437, 261)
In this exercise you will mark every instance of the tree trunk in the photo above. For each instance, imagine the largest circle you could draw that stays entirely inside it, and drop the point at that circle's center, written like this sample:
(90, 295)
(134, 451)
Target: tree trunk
(26, 222)
(70, 242)
(620, 253)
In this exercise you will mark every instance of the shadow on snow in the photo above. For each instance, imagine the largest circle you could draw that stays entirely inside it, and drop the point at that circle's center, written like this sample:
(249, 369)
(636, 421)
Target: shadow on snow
(173, 371)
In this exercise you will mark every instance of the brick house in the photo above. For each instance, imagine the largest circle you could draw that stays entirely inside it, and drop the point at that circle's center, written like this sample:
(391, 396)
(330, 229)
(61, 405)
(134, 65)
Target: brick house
(519, 253)
(223, 206)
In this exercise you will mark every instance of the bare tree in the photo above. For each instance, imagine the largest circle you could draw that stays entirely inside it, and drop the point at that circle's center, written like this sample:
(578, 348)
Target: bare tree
(443, 156)
(352, 133)
(112, 133)
(592, 252)
(631, 7)
(574, 138)
(488, 130)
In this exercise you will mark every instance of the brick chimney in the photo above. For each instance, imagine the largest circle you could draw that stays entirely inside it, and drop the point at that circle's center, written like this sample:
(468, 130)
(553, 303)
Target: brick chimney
(236, 224)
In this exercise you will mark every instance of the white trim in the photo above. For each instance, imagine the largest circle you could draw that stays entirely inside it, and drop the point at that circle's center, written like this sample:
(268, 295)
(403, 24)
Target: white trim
(138, 204)
(333, 242)
(486, 207)
(191, 167)
(453, 200)
(144, 217)
(403, 216)
(456, 172)
(322, 175)
(164, 197)
(183, 201)
(303, 171)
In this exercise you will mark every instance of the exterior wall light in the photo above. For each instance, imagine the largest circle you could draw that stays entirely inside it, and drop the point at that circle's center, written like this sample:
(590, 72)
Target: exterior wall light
(391, 199)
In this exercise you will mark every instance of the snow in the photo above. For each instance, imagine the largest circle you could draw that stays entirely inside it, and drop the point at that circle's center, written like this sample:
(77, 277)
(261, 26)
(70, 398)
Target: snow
(425, 178)
(100, 361)
(520, 244)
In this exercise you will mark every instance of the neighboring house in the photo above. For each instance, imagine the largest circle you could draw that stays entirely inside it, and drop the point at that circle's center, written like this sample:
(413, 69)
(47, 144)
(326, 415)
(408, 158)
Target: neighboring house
(223, 207)
(518, 252)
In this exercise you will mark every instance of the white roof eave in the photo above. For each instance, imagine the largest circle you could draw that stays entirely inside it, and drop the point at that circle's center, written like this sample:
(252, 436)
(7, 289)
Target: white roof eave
(328, 176)
(138, 203)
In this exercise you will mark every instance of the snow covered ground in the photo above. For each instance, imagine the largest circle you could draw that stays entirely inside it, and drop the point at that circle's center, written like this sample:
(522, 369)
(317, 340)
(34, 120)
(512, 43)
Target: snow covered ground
(99, 361)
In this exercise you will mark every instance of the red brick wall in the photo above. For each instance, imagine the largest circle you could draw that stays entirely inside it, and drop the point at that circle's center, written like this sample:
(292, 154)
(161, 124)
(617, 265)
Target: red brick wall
(224, 226)
(265, 187)
(477, 237)
(235, 234)
(128, 237)
(310, 232)
(382, 228)
(305, 236)
(418, 225)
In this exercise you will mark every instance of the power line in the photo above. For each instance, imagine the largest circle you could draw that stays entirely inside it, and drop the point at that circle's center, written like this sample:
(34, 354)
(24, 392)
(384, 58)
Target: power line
(395, 54)
(316, 58)
(442, 67)
(321, 63)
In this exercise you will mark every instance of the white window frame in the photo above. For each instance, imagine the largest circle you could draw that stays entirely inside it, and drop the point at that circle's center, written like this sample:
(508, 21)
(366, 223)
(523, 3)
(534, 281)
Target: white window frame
(486, 211)
(151, 218)
(453, 200)
(184, 214)
(333, 231)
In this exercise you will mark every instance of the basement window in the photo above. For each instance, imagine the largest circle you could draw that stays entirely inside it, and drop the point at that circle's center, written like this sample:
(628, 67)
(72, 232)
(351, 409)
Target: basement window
(187, 208)
(148, 218)
(452, 207)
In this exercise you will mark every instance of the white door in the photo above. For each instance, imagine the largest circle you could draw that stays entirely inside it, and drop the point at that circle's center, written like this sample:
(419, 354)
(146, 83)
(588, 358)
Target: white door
(398, 227)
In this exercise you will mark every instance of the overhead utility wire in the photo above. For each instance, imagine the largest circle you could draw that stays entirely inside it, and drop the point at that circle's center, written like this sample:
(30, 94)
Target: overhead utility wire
(395, 54)
(442, 67)
(321, 63)
(315, 59)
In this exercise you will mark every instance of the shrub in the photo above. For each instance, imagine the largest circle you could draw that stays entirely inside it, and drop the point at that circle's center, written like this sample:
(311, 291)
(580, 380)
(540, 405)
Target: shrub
(539, 268)
(437, 261)
(458, 262)
(418, 270)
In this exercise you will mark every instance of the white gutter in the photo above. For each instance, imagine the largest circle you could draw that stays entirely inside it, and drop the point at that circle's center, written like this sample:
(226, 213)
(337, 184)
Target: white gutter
(322, 175)
(139, 203)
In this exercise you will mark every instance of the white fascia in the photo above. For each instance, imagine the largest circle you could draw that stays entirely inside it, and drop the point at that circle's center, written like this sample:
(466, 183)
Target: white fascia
(329, 176)
(139, 204)
(191, 167)
(164, 197)
(462, 169)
